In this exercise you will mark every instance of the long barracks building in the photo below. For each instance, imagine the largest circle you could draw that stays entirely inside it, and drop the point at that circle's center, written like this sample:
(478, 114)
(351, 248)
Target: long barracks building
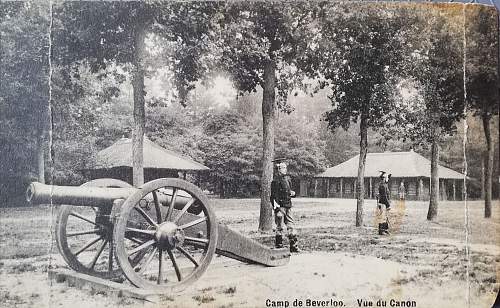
(409, 168)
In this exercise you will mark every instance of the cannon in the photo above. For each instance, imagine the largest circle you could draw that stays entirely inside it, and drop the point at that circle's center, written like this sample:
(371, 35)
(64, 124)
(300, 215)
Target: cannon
(161, 236)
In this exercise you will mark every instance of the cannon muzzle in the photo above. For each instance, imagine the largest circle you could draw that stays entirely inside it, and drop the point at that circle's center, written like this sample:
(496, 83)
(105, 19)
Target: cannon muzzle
(38, 193)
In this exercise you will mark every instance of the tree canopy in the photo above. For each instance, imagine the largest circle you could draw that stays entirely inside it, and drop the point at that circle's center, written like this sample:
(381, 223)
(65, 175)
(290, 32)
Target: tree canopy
(387, 76)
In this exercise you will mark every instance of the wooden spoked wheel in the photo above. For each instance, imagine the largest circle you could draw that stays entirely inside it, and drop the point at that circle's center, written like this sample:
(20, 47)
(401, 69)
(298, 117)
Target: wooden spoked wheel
(170, 223)
(84, 235)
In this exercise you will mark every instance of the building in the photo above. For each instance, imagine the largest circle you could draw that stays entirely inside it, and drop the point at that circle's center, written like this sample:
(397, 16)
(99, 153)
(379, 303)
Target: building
(409, 168)
(115, 161)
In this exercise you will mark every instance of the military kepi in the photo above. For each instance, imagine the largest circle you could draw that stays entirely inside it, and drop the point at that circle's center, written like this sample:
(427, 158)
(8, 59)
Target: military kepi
(383, 173)
(279, 160)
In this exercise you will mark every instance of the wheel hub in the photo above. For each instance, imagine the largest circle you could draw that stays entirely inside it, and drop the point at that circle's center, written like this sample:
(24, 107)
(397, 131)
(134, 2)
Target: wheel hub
(168, 235)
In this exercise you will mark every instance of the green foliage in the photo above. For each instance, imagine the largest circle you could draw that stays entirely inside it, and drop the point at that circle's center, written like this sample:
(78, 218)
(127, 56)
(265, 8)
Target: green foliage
(254, 34)
(301, 143)
(232, 149)
(360, 54)
(89, 112)
(434, 78)
(397, 63)
(232, 152)
(23, 92)
(482, 60)
(104, 38)
(178, 37)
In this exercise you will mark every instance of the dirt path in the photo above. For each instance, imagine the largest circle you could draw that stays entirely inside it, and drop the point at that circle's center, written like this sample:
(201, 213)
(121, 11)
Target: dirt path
(423, 262)
(330, 278)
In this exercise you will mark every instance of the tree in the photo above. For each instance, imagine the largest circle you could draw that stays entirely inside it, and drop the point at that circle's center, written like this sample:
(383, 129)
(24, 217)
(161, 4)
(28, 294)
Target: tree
(120, 37)
(482, 82)
(24, 99)
(434, 75)
(300, 141)
(359, 53)
(231, 146)
(440, 75)
(259, 47)
(85, 117)
(117, 37)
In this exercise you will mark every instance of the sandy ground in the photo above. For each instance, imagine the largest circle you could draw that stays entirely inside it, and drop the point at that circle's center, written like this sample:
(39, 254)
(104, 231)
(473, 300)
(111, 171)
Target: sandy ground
(422, 264)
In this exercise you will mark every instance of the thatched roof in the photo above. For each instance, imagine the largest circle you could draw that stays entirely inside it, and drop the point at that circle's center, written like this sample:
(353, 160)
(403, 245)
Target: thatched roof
(119, 154)
(399, 164)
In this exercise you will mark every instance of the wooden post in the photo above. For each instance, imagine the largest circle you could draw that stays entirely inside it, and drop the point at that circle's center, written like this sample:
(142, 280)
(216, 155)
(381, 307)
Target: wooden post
(303, 188)
(440, 191)
(315, 188)
(328, 187)
(420, 189)
(417, 189)
(443, 190)
(371, 189)
(341, 187)
(454, 190)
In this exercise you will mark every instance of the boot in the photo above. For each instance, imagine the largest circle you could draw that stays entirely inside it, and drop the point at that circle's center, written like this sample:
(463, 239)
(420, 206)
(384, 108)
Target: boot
(380, 229)
(278, 243)
(383, 228)
(293, 243)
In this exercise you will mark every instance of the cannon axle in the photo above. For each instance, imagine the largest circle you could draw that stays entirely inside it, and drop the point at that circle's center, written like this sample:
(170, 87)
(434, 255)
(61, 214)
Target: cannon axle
(169, 235)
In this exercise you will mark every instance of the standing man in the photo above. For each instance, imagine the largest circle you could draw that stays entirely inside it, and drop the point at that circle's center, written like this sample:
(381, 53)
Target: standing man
(402, 190)
(384, 198)
(281, 201)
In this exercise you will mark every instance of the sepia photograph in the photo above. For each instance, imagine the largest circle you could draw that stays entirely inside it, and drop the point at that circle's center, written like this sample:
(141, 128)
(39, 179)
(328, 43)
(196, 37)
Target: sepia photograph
(249, 154)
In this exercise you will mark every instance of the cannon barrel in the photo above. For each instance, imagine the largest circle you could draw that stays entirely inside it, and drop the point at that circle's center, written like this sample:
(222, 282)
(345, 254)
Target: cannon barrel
(189, 226)
(38, 193)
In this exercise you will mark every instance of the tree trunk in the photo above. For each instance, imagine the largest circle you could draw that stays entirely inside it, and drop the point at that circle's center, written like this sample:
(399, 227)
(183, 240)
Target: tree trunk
(40, 157)
(363, 148)
(434, 184)
(483, 158)
(488, 168)
(268, 117)
(139, 108)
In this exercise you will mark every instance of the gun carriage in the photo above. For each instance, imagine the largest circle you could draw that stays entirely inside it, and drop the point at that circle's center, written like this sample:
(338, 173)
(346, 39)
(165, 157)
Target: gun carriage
(160, 236)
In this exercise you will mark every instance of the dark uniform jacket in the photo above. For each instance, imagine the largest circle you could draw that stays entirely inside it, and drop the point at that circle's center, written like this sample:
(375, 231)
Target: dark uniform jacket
(383, 194)
(281, 191)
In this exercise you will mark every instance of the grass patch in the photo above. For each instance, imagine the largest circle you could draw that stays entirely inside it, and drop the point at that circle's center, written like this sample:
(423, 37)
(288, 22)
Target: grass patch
(230, 290)
(10, 300)
(166, 298)
(203, 299)
(97, 292)
(22, 268)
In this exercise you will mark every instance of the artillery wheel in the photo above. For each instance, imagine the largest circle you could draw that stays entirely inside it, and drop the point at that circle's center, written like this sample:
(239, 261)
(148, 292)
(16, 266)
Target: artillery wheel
(177, 243)
(79, 252)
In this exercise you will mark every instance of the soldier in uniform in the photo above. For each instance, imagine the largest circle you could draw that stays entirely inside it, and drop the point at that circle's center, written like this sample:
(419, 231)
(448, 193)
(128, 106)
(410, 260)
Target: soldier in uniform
(281, 195)
(402, 190)
(384, 199)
